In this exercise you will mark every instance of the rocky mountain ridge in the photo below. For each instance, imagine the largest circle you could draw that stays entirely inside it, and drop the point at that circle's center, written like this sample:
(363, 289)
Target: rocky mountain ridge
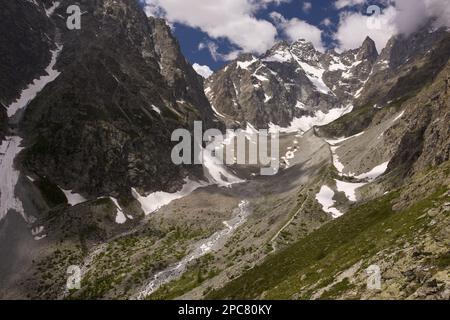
(104, 125)
(288, 82)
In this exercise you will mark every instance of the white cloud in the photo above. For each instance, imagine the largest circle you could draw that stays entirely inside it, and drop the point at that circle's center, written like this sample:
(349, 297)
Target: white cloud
(326, 22)
(213, 49)
(400, 17)
(411, 14)
(307, 6)
(231, 19)
(204, 71)
(339, 4)
(355, 27)
(296, 29)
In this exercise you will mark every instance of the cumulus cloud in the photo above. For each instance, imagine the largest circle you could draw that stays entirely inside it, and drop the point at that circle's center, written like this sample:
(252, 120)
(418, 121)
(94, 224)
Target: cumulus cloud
(399, 17)
(202, 70)
(296, 29)
(412, 14)
(213, 49)
(340, 4)
(355, 27)
(234, 20)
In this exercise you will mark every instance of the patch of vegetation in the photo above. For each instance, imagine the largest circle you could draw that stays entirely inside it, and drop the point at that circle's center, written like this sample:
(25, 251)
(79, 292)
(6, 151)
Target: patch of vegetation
(334, 291)
(196, 274)
(443, 261)
(335, 247)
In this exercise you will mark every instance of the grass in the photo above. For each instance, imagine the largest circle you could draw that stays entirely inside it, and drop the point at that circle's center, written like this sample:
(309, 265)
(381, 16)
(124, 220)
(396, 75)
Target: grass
(192, 278)
(335, 247)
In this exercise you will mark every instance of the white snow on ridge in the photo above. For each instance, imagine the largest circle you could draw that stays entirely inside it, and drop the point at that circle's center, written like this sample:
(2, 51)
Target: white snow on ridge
(217, 112)
(260, 77)
(36, 86)
(156, 109)
(9, 148)
(300, 105)
(280, 56)
(120, 216)
(339, 141)
(399, 116)
(216, 172)
(245, 64)
(306, 123)
(73, 198)
(314, 74)
(203, 70)
(374, 173)
(349, 189)
(336, 162)
(325, 198)
(155, 201)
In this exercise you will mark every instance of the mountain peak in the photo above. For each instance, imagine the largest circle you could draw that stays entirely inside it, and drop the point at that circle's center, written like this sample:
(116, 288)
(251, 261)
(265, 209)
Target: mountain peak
(368, 50)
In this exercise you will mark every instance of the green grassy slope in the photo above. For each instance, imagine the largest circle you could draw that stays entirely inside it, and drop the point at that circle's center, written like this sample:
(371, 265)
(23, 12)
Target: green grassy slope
(313, 262)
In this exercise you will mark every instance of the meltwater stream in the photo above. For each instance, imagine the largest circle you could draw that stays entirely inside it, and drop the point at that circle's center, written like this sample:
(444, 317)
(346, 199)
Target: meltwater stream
(203, 247)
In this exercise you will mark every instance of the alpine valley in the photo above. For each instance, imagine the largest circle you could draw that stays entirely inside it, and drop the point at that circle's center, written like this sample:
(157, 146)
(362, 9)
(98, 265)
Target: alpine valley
(87, 181)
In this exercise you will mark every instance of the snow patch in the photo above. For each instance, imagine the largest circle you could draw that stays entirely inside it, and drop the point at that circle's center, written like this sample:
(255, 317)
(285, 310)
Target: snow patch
(155, 201)
(36, 86)
(339, 141)
(399, 116)
(305, 123)
(315, 74)
(280, 56)
(9, 176)
(120, 216)
(245, 64)
(349, 189)
(73, 198)
(156, 109)
(374, 173)
(325, 198)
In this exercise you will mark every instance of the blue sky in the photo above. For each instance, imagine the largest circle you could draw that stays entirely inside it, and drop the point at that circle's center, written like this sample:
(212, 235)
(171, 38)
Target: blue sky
(212, 32)
(190, 38)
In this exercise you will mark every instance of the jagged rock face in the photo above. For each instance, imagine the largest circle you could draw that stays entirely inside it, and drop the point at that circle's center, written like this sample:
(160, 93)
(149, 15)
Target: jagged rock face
(425, 141)
(347, 73)
(104, 125)
(405, 65)
(289, 81)
(25, 48)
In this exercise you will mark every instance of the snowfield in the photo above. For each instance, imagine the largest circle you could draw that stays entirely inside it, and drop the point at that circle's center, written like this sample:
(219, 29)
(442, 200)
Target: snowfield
(36, 86)
(73, 198)
(10, 148)
(325, 198)
(9, 176)
(349, 189)
(306, 123)
(156, 200)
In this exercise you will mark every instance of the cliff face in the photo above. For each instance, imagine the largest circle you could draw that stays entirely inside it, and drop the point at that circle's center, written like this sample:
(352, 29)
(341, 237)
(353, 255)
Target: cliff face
(104, 125)
(25, 43)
